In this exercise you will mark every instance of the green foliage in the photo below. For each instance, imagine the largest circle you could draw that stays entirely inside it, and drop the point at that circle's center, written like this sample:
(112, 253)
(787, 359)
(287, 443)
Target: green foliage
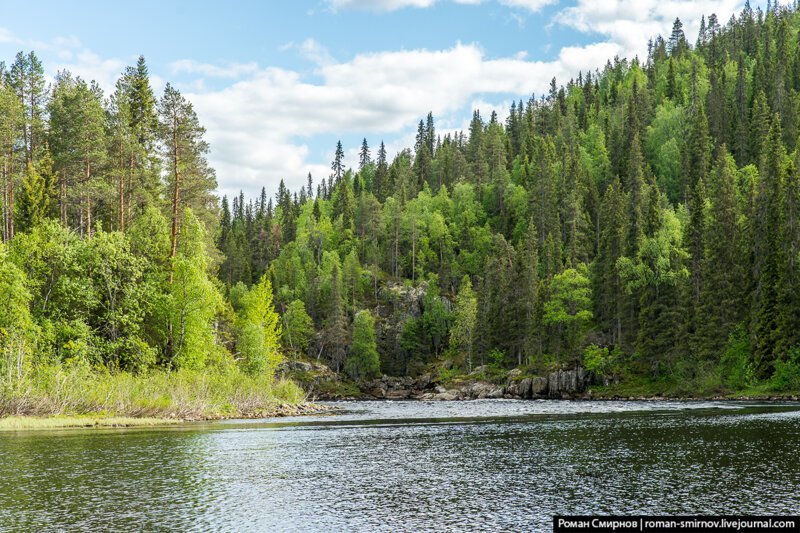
(515, 240)
(298, 328)
(568, 309)
(77, 389)
(465, 316)
(787, 375)
(597, 359)
(259, 330)
(17, 331)
(736, 368)
(363, 362)
(34, 201)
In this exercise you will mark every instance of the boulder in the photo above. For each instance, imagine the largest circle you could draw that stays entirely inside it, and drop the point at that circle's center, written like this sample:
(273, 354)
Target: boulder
(398, 394)
(524, 388)
(538, 386)
(449, 395)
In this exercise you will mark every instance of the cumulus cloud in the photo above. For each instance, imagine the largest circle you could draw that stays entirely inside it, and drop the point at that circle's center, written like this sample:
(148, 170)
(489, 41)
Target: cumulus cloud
(90, 66)
(628, 24)
(258, 126)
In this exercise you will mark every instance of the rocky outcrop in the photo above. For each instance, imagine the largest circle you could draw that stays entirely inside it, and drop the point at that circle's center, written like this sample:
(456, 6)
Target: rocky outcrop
(566, 383)
(318, 380)
(558, 384)
(322, 383)
(396, 388)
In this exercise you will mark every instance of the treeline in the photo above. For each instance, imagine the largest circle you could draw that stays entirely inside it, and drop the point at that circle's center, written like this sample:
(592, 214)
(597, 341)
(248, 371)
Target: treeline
(642, 220)
(108, 221)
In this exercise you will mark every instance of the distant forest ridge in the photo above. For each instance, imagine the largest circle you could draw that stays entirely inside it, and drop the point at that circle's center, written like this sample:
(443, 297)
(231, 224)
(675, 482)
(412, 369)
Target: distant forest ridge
(642, 221)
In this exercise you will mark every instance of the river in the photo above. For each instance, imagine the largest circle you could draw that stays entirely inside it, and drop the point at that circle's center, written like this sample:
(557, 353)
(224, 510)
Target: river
(393, 466)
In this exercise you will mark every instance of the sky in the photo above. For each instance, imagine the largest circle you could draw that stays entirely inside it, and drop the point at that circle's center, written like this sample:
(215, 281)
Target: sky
(277, 83)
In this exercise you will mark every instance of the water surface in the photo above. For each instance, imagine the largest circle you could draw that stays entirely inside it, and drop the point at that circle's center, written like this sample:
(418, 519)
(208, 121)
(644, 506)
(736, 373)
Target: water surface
(389, 466)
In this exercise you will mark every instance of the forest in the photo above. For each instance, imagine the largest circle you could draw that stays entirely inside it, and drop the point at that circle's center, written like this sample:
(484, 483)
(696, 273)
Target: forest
(642, 221)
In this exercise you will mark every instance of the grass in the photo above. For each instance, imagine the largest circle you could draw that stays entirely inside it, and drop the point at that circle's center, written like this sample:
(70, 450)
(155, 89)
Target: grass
(31, 422)
(68, 391)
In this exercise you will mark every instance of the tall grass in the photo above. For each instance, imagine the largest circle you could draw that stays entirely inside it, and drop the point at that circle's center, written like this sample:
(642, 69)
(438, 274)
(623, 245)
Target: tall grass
(76, 390)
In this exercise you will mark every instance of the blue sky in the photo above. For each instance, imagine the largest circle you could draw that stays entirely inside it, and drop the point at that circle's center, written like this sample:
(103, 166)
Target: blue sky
(277, 83)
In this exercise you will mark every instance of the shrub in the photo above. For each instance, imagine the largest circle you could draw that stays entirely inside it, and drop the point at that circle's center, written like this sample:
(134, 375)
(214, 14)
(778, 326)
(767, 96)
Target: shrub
(736, 369)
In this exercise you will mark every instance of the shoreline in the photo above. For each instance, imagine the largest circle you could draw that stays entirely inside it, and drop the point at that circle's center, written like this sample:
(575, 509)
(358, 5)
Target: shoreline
(111, 421)
(103, 421)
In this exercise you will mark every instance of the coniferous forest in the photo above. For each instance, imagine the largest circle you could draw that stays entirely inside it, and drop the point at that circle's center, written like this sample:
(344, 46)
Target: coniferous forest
(642, 220)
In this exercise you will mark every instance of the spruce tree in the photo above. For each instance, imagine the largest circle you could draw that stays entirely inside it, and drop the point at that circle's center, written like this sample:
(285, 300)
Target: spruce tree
(766, 335)
(33, 205)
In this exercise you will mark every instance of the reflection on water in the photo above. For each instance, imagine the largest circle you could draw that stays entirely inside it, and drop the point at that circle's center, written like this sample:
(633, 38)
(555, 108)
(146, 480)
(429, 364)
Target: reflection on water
(482, 465)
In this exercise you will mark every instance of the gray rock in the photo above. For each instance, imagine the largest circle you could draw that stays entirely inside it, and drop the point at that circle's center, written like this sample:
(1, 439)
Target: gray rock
(538, 386)
(496, 392)
(398, 394)
(448, 395)
(524, 388)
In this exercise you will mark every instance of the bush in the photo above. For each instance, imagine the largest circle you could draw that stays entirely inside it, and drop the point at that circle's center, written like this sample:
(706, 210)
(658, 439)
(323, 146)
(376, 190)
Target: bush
(597, 359)
(787, 373)
(736, 369)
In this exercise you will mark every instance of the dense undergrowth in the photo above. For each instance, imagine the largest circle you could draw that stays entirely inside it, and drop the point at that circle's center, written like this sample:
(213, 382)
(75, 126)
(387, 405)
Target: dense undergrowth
(183, 394)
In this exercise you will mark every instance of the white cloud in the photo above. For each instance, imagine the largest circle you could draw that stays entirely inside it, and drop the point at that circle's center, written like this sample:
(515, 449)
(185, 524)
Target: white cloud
(393, 5)
(378, 5)
(91, 66)
(7, 37)
(257, 126)
(628, 24)
(311, 50)
(530, 5)
(232, 70)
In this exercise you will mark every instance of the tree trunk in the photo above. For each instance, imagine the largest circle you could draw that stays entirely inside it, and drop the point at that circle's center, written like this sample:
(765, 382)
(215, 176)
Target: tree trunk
(5, 200)
(62, 197)
(88, 179)
(10, 208)
(176, 193)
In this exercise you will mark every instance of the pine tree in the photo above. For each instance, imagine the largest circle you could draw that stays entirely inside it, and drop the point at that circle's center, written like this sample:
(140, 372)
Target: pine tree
(77, 139)
(26, 77)
(190, 180)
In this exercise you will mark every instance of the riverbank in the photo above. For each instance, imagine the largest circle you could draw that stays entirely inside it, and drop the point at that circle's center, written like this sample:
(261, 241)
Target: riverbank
(28, 423)
(78, 396)
(485, 382)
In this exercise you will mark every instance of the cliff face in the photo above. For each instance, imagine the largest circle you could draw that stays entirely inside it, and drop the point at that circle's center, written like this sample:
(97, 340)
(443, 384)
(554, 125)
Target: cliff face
(559, 384)
(323, 384)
